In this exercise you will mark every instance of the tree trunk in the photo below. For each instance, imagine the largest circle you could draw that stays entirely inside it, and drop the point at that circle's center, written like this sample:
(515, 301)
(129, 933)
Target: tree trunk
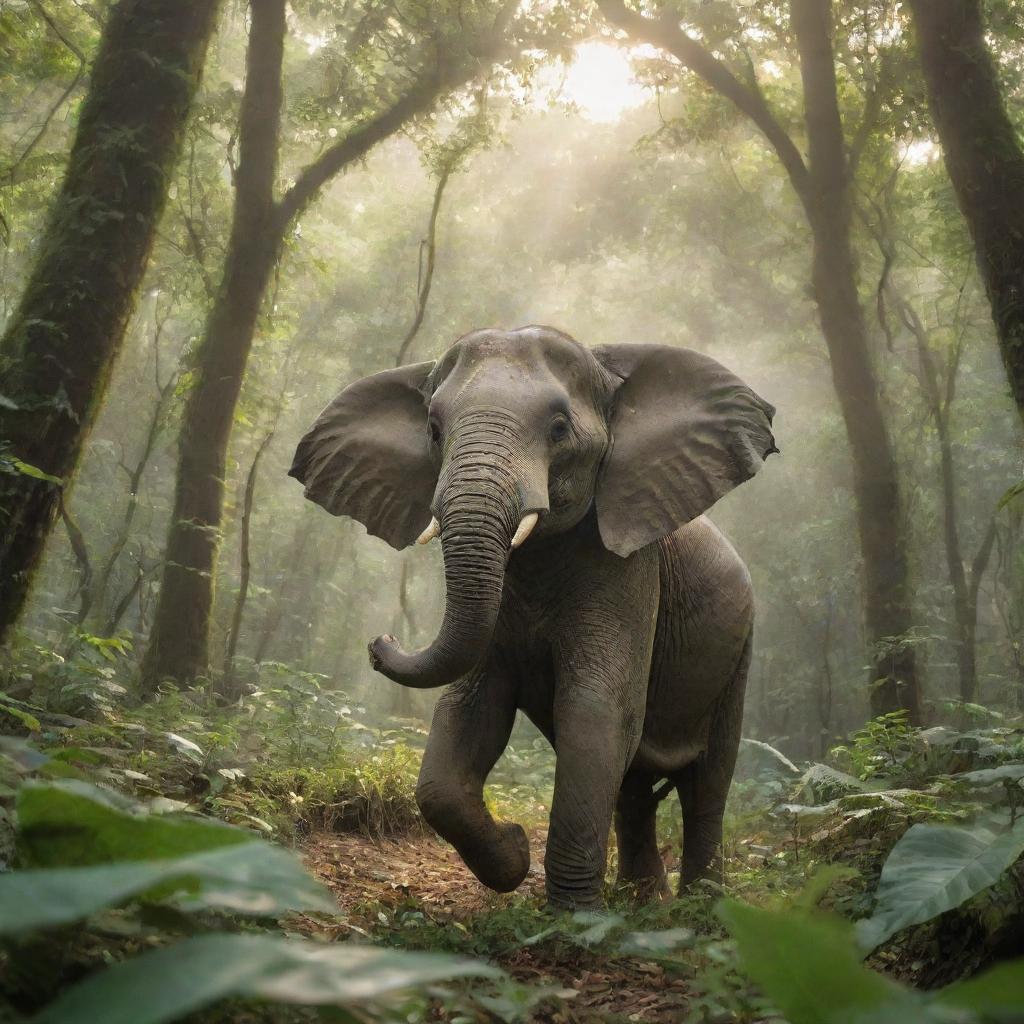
(887, 609)
(179, 644)
(984, 159)
(280, 589)
(165, 392)
(401, 703)
(1008, 599)
(970, 617)
(244, 567)
(179, 641)
(823, 187)
(965, 610)
(428, 260)
(83, 589)
(825, 682)
(58, 351)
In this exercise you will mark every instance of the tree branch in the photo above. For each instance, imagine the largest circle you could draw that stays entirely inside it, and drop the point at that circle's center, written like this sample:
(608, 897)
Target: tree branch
(428, 255)
(667, 35)
(245, 562)
(869, 116)
(440, 76)
(81, 551)
(9, 173)
(356, 145)
(981, 558)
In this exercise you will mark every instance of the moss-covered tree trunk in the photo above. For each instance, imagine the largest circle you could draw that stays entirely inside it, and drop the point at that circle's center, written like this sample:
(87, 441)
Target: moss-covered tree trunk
(984, 157)
(58, 350)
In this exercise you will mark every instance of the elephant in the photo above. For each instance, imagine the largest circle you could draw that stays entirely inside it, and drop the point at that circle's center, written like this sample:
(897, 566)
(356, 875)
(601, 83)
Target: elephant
(584, 586)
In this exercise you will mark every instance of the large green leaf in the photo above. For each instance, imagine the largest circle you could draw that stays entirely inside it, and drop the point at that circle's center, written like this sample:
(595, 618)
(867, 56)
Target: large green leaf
(169, 983)
(934, 868)
(69, 823)
(250, 878)
(808, 965)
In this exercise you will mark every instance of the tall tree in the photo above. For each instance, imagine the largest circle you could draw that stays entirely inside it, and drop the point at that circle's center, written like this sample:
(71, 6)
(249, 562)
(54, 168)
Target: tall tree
(823, 185)
(937, 377)
(445, 59)
(59, 347)
(984, 158)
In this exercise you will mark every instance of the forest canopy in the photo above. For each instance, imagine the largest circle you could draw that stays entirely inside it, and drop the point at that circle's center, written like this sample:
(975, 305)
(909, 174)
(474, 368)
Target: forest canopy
(215, 216)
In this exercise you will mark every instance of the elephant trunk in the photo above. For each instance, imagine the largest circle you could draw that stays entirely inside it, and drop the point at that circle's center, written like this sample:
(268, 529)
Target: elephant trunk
(479, 508)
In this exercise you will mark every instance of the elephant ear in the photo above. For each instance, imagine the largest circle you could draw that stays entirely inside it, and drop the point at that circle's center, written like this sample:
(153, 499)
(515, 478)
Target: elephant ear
(685, 431)
(366, 456)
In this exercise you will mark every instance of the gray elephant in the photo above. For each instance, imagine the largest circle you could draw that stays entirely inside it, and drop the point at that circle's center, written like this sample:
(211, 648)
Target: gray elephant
(583, 584)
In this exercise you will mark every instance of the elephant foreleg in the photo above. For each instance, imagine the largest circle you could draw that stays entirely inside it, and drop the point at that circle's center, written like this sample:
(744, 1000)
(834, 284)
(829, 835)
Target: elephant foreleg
(602, 663)
(470, 729)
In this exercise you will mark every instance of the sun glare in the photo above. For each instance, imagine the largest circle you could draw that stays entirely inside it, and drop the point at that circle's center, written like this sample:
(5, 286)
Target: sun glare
(599, 81)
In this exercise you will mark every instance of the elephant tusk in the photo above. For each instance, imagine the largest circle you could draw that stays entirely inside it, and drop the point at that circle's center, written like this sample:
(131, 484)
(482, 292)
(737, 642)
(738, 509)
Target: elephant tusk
(525, 529)
(432, 531)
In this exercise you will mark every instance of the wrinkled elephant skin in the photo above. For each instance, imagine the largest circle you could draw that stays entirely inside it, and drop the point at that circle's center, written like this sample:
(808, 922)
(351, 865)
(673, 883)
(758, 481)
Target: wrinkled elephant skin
(584, 586)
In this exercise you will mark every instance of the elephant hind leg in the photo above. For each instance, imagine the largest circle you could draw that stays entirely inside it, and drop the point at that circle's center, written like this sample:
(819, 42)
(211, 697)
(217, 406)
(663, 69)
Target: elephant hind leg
(636, 836)
(704, 785)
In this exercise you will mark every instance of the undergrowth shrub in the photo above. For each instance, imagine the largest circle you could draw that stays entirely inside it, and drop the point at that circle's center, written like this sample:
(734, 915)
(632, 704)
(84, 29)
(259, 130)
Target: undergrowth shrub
(375, 796)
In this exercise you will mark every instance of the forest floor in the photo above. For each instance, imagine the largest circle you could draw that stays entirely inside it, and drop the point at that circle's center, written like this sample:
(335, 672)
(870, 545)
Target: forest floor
(295, 767)
(376, 880)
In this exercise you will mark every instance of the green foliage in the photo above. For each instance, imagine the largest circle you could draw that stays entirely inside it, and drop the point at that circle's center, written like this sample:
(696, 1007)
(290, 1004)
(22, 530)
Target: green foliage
(808, 964)
(11, 464)
(19, 711)
(880, 748)
(994, 995)
(295, 707)
(821, 782)
(98, 850)
(150, 990)
(74, 823)
(374, 795)
(251, 878)
(934, 868)
(81, 681)
(93, 849)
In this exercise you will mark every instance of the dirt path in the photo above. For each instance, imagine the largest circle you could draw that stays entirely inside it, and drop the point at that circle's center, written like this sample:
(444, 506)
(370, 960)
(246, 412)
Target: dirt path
(368, 877)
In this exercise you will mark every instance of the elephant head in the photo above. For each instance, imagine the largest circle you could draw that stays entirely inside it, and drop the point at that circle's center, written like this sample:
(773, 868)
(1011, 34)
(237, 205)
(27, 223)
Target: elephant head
(513, 435)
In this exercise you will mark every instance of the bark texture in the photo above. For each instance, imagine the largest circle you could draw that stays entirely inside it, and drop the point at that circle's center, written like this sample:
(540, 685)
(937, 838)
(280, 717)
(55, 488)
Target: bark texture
(984, 158)
(58, 351)
(178, 646)
(887, 600)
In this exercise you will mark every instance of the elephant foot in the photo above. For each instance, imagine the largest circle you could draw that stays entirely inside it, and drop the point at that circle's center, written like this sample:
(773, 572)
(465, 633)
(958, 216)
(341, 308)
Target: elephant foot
(505, 861)
(649, 890)
(568, 903)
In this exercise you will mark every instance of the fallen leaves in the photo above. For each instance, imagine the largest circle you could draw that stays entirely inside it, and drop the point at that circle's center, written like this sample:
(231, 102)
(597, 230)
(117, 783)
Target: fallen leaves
(371, 879)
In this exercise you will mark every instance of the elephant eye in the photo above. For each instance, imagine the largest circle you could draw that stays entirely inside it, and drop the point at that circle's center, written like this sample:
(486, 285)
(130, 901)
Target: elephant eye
(435, 431)
(559, 429)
